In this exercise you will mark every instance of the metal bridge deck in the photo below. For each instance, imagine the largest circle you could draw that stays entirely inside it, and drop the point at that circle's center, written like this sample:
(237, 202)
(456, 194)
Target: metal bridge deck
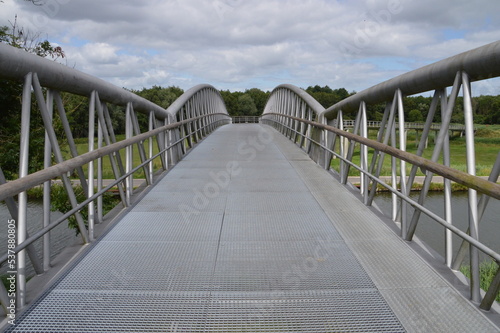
(247, 234)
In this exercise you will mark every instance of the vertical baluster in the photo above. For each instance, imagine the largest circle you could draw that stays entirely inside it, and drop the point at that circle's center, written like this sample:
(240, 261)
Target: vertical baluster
(394, 173)
(129, 183)
(364, 153)
(435, 155)
(47, 162)
(99, 172)
(448, 239)
(151, 127)
(402, 166)
(23, 197)
(91, 208)
(471, 169)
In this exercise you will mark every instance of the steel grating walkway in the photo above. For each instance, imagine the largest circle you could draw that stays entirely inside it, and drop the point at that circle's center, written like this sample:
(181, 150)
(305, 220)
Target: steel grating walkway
(247, 234)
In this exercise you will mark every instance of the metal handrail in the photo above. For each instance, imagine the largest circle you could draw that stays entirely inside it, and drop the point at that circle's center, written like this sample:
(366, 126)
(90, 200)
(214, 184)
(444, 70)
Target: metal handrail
(480, 63)
(482, 185)
(245, 119)
(19, 185)
(286, 112)
(490, 188)
(487, 187)
(177, 129)
(15, 64)
(312, 103)
(180, 102)
(407, 125)
(14, 187)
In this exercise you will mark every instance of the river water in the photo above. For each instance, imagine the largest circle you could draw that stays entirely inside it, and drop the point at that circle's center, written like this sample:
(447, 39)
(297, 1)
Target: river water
(433, 233)
(61, 236)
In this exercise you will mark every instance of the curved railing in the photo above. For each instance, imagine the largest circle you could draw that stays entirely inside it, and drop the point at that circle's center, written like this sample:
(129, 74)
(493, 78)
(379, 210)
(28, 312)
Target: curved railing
(170, 135)
(200, 100)
(330, 140)
(288, 100)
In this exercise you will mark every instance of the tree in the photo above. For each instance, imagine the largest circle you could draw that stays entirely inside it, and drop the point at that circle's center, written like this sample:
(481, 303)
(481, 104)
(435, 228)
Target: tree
(246, 106)
(163, 97)
(415, 116)
(30, 42)
(326, 96)
(259, 98)
(231, 101)
(10, 104)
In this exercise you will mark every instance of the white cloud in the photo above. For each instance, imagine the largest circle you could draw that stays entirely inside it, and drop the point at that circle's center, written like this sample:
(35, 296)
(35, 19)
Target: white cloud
(236, 44)
(100, 53)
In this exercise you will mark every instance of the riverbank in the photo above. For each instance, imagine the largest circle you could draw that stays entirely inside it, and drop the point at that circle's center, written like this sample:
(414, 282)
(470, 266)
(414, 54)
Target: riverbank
(436, 185)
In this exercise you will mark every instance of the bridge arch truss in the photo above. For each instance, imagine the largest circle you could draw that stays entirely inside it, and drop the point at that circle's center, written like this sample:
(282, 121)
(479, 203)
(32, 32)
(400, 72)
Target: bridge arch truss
(323, 135)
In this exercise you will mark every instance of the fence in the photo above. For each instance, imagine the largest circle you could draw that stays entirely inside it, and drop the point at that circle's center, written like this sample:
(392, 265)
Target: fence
(321, 134)
(172, 133)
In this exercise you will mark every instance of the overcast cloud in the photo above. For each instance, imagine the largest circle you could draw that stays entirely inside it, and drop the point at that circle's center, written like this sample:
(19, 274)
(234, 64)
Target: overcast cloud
(237, 44)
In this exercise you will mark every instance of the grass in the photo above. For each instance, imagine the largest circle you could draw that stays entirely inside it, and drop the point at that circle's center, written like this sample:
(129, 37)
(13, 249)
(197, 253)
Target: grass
(487, 271)
(487, 141)
(82, 147)
(60, 201)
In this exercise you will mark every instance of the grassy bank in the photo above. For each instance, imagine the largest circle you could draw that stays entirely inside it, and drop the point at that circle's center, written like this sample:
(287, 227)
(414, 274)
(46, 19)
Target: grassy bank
(60, 201)
(487, 139)
(82, 147)
(487, 272)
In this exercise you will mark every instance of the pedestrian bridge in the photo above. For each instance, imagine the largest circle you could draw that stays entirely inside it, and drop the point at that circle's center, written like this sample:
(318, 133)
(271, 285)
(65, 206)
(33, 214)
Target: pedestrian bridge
(249, 227)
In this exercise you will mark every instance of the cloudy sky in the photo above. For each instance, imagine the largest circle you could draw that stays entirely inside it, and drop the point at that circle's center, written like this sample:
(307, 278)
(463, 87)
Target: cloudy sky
(241, 44)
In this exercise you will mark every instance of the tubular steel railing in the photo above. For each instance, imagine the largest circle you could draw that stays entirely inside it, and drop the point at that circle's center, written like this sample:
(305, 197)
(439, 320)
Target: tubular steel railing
(245, 119)
(408, 125)
(174, 131)
(321, 134)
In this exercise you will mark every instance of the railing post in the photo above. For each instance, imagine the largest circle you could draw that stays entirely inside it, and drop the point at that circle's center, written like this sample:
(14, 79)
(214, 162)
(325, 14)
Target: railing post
(140, 147)
(364, 180)
(47, 162)
(129, 183)
(352, 145)
(448, 216)
(491, 293)
(151, 127)
(394, 171)
(439, 93)
(483, 202)
(435, 154)
(109, 137)
(402, 146)
(99, 172)
(91, 208)
(47, 122)
(471, 169)
(69, 136)
(23, 197)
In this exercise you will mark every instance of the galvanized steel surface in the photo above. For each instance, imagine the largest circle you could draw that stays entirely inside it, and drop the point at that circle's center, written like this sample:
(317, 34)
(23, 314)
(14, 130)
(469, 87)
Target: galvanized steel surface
(480, 63)
(246, 233)
(16, 63)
